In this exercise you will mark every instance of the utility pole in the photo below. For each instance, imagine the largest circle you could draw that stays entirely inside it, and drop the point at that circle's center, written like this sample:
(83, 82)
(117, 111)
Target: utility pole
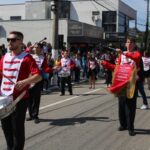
(147, 28)
(126, 27)
(54, 9)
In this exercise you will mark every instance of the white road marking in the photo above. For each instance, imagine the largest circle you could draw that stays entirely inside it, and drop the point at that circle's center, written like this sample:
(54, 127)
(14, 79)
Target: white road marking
(68, 99)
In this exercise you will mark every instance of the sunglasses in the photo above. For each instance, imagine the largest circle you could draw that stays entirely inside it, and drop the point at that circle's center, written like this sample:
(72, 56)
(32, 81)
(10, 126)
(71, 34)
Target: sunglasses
(12, 39)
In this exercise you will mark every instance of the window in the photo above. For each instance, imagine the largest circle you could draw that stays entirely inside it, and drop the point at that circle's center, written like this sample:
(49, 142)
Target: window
(109, 21)
(110, 28)
(122, 19)
(15, 17)
(95, 13)
(109, 17)
(64, 9)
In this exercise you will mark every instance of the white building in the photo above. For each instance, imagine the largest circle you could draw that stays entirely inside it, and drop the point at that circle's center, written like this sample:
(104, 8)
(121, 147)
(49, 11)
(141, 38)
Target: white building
(81, 23)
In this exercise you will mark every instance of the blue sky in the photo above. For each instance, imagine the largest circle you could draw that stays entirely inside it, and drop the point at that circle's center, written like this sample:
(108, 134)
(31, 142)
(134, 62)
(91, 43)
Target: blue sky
(11, 1)
(139, 5)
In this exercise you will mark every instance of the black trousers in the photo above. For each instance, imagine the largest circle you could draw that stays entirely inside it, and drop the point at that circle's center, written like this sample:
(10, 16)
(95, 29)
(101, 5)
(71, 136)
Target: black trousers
(77, 74)
(63, 81)
(142, 91)
(108, 77)
(13, 127)
(127, 111)
(34, 100)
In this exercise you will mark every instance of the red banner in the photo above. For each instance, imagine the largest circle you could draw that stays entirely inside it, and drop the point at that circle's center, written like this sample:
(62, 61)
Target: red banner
(121, 77)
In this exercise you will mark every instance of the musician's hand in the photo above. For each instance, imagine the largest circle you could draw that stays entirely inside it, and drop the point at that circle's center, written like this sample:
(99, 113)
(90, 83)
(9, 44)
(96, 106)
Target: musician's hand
(103, 62)
(100, 62)
(118, 50)
(55, 67)
(21, 84)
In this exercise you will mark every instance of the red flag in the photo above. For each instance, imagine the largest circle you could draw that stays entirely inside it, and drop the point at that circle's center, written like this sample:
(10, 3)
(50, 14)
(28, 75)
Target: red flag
(121, 77)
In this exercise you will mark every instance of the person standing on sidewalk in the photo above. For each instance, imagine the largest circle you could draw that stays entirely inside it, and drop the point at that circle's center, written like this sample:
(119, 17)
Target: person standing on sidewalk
(92, 71)
(77, 67)
(21, 68)
(140, 84)
(146, 64)
(35, 90)
(127, 105)
(65, 66)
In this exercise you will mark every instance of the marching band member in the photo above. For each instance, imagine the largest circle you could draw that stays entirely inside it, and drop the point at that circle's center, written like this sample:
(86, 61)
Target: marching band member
(21, 68)
(35, 90)
(92, 71)
(64, 67)
(127, 62)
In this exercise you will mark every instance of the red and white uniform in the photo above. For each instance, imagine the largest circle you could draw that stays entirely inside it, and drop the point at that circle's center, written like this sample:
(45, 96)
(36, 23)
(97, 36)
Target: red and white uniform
(128, 57)
(42, 63)
(126, 60)
(11, 67)
(92, 64)
(16, 68)
(146, 63)
(39, 60)
(66, 65)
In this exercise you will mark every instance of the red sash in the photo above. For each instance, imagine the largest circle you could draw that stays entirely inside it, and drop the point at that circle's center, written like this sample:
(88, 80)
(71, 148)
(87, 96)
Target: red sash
(121, 77)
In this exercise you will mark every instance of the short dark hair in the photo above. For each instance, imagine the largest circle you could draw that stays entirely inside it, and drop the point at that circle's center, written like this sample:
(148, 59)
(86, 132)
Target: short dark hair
(132, 39)
(66, 50)
(146, 53)
(39, 44)
(18, 34)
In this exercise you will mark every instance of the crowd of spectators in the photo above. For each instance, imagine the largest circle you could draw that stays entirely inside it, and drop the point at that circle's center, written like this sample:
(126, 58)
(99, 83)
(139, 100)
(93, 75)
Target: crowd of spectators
(82, 61)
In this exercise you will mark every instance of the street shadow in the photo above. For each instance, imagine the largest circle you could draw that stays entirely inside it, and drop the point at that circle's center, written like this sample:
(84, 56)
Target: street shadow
(144, 109)
(73, 121)
(142, 131)
(90, 94)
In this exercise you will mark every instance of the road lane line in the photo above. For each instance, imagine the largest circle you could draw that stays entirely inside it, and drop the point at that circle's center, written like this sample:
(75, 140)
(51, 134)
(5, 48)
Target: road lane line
(68, 99)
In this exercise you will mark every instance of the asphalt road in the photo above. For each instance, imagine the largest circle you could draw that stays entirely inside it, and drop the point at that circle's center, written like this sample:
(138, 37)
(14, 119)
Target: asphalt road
(87, 120)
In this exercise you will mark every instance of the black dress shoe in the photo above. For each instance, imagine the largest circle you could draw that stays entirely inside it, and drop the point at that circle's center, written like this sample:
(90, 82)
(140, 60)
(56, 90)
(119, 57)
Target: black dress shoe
(29, 119)
(71, 93)
(122, 128)
(131, 133)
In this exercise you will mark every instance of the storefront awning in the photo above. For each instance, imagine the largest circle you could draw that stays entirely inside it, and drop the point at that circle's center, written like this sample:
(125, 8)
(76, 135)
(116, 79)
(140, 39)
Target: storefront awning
(83, 39)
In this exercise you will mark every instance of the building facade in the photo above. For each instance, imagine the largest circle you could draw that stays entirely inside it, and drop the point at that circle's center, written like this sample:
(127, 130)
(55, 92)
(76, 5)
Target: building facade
(81, 23)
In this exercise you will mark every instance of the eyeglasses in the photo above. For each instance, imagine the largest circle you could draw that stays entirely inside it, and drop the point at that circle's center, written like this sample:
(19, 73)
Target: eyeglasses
(12, 39)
